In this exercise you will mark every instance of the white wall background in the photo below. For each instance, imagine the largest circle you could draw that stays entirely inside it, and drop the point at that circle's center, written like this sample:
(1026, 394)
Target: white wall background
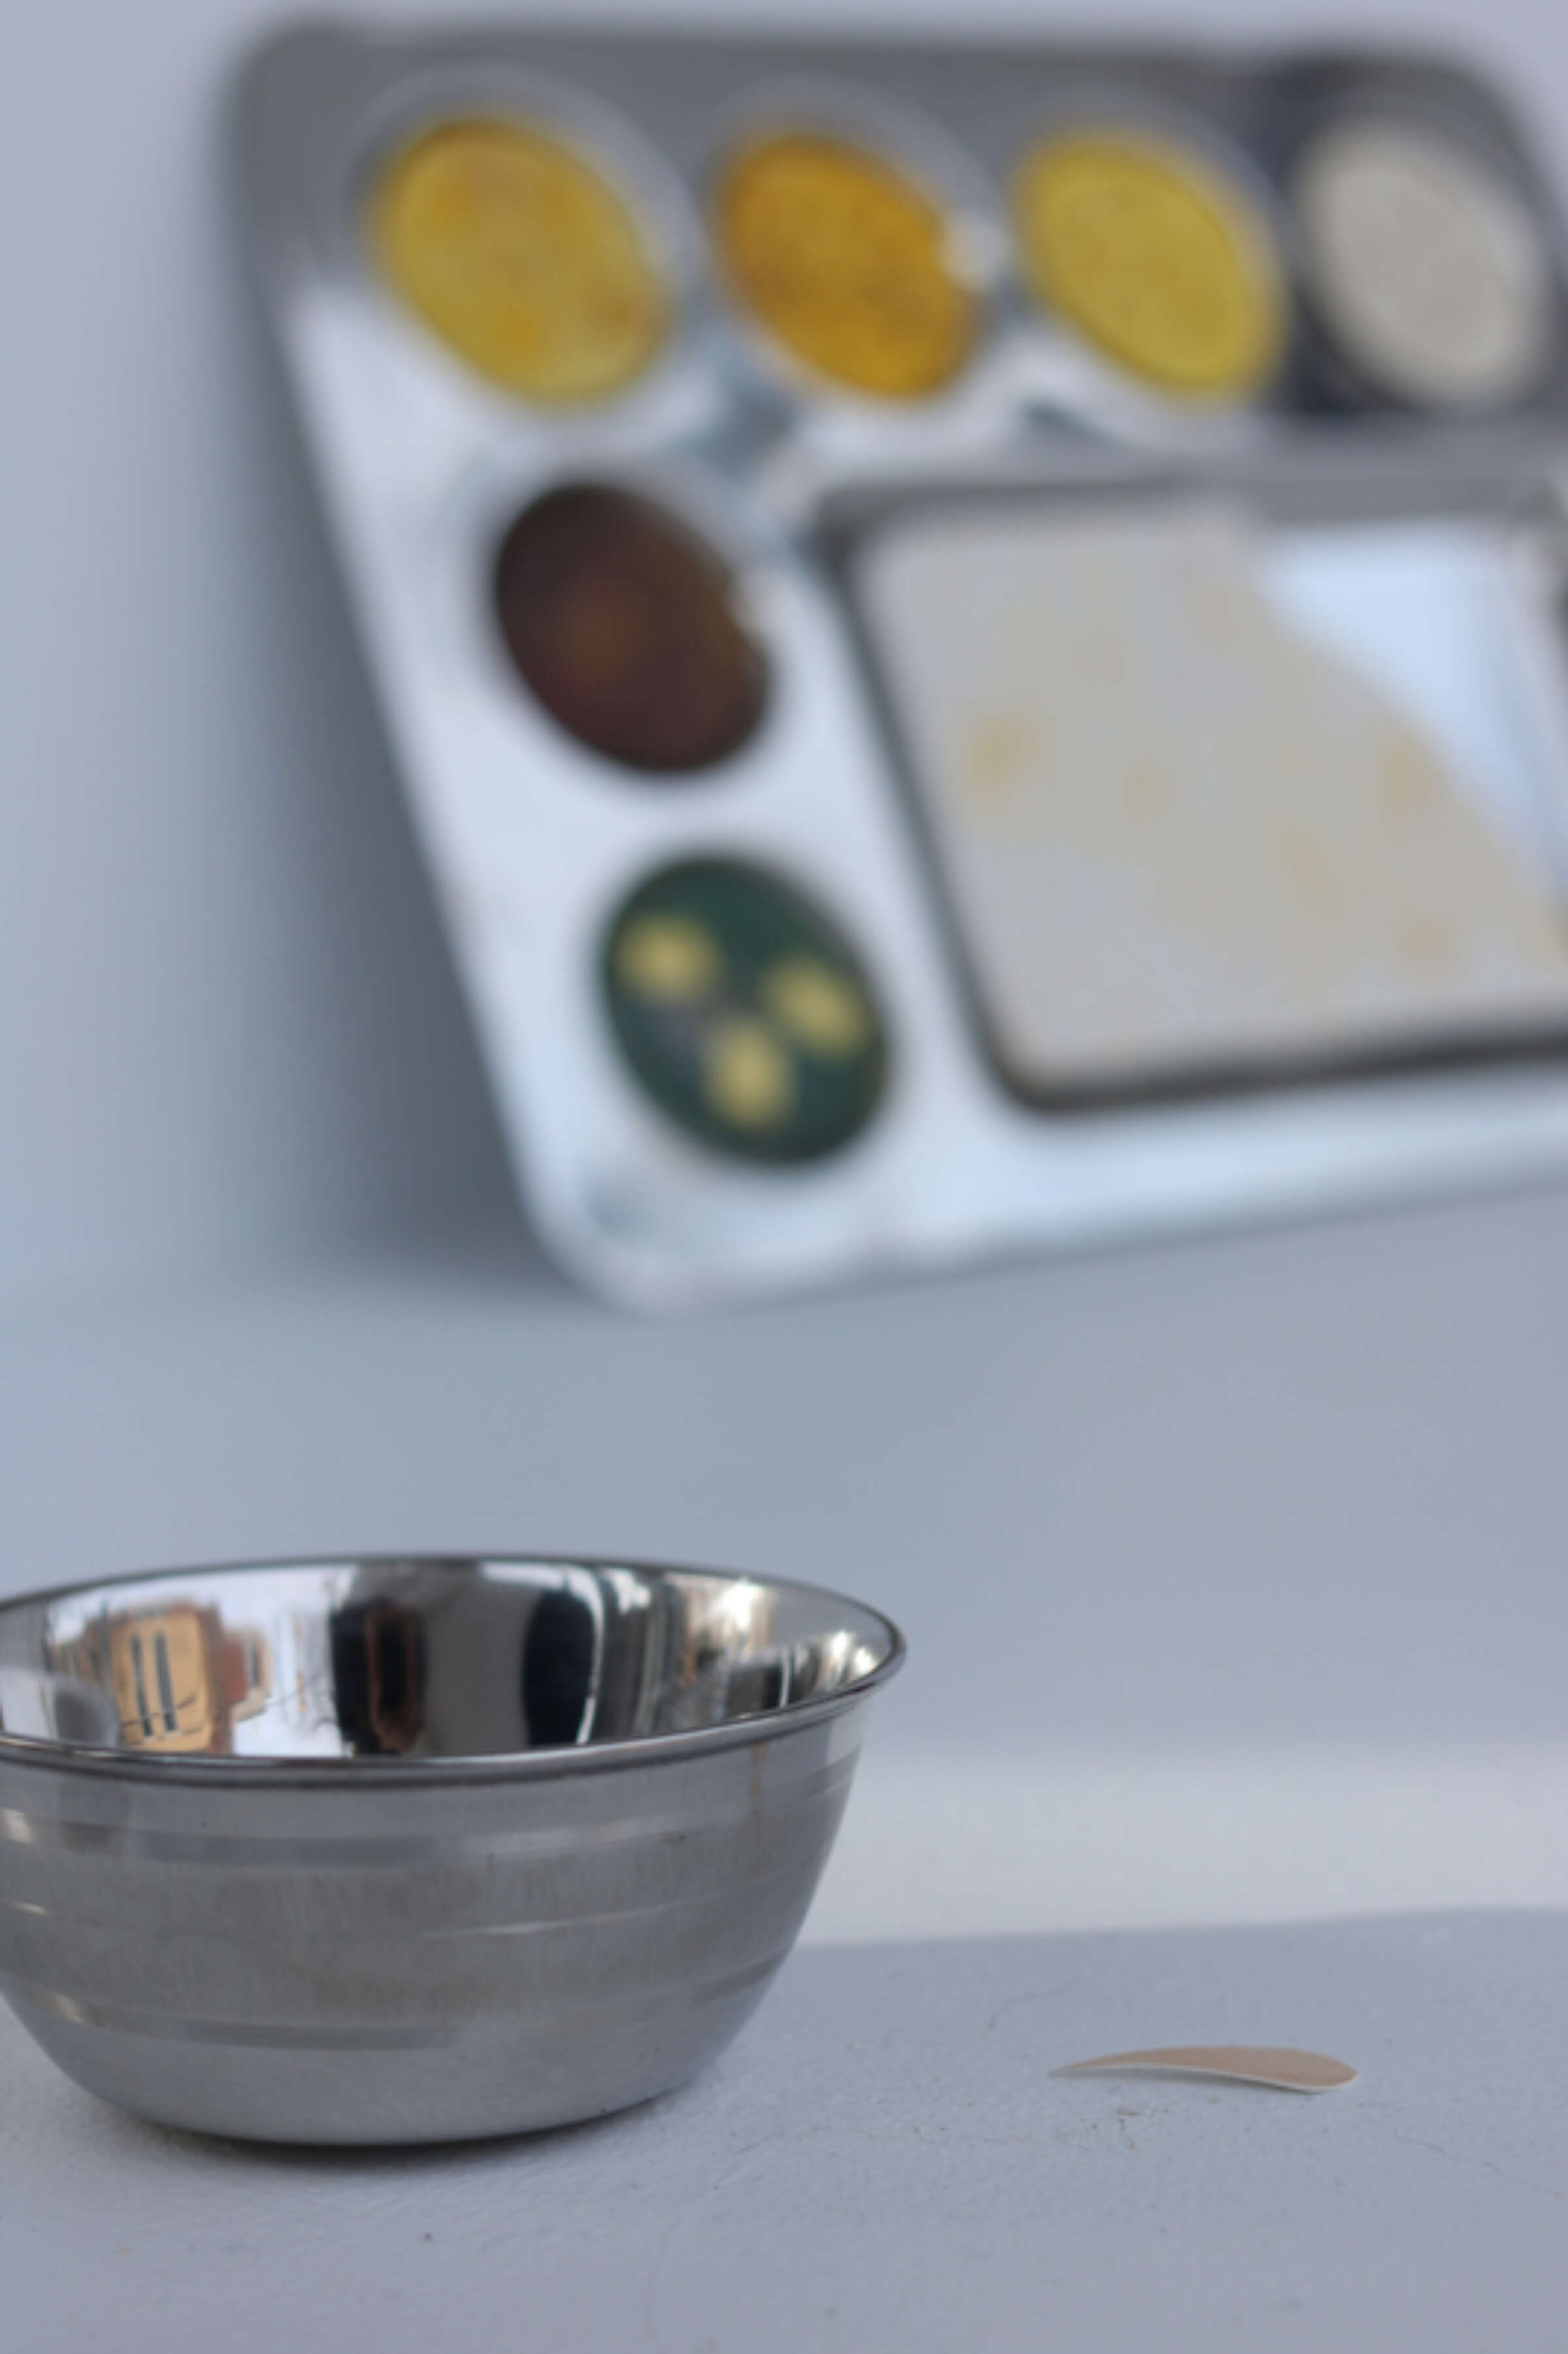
(228, 1033)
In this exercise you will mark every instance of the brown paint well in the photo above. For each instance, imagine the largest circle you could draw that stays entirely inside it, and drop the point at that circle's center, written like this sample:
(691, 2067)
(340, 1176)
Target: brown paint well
(626, 627)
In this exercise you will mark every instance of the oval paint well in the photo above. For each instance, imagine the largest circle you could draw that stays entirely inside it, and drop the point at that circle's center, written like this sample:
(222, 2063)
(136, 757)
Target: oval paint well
(743, 1011)
(847, 263)
(1424, 266)
(516, 251)
(1154, 257)
(626, 628)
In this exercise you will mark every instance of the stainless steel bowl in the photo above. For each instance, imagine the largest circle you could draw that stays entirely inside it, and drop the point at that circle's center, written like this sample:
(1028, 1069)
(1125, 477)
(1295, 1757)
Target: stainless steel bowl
(412, 1850)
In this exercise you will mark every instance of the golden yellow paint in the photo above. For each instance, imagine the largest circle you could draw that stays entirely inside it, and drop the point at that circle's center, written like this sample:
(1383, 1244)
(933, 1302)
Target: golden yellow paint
(519, 255)
(821, 1009)
(847, 263)
(671, 958)
(1152, 256)
(748, 1080)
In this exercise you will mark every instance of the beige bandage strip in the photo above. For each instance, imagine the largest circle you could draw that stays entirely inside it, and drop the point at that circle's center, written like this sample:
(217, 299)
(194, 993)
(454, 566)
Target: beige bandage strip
(1278, 2066)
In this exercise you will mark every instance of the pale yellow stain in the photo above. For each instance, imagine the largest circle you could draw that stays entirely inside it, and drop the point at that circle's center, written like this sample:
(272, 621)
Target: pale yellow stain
(1429, 946)
(1150, 791)
(1221, 615)
(999, 751)
(1404, 775)
(1307, 863)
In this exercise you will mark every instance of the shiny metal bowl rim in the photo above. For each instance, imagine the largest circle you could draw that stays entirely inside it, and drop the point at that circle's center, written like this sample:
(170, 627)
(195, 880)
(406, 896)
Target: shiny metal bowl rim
(544, 1763)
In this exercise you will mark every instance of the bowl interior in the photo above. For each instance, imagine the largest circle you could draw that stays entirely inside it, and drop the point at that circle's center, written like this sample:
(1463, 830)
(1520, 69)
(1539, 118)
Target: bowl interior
(420, 1658)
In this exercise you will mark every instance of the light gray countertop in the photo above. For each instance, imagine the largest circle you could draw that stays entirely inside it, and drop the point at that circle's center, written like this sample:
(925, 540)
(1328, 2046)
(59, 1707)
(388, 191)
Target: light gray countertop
(884, 2160)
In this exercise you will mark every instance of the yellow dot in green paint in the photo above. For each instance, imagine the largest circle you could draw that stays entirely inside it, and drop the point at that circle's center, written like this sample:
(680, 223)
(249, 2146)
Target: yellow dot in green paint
(823, 1010)
(748, 1079)
(669, 958)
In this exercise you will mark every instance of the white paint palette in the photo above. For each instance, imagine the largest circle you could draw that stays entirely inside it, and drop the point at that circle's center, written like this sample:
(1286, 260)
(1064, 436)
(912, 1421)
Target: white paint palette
(974, 633)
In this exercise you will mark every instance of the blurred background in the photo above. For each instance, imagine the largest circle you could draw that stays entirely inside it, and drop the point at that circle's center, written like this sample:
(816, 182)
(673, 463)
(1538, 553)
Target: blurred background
(1233, 1570)
(228, 1035)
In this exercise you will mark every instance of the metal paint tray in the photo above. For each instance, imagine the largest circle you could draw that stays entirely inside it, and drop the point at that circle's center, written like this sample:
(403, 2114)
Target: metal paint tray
(533, 842)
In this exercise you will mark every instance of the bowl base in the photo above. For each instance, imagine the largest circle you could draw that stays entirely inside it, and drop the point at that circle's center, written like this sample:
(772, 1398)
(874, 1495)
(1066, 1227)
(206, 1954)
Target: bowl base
(385, 2093)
